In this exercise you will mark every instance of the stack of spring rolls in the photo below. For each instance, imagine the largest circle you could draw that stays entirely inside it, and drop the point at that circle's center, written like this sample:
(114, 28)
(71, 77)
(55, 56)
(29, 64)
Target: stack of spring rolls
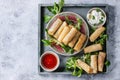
(97, 61)
(67, 34)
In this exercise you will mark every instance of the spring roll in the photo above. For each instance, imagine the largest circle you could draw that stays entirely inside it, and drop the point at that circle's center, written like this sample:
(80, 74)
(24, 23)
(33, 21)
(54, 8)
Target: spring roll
(74, 40)
(55, 26)
(101, 59)
(84, 66)
(64, 33)
(69, 36)
(93, 48)
(60, 30)
(97, 33)
(80, 42)
(93, 63)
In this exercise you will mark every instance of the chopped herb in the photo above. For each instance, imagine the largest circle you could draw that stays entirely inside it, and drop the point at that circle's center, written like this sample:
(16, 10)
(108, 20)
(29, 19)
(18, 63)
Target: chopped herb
(98, 10)
(93, 17)
(101, 21)
(107, 63)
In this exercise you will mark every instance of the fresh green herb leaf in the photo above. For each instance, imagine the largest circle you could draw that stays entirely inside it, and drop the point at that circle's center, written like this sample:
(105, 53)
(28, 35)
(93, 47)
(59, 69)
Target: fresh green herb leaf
(93, 17)
(47, 18)
(56, 8)
(101, 21)
(68, 21)
(71, 65)
(71, 50)
(47, 42)
(61, 4)
(98, 10)
(103, 38)
(67, 48)
(86, 58)
(107, 63)
(79, 23)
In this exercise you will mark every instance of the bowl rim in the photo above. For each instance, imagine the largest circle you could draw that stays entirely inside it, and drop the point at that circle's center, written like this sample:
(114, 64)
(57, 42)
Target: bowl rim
(87, 34)
(101, 11)
(53, 53)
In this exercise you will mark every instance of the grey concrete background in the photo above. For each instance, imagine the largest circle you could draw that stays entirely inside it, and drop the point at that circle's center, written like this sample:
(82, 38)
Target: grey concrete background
(19, 39)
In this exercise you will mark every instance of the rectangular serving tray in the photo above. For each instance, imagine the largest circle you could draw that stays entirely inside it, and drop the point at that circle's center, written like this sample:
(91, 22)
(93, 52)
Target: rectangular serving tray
(80, 9)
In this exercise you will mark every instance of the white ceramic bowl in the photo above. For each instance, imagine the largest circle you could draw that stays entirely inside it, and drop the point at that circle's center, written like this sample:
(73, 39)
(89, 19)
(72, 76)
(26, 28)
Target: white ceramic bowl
(85, 28)
(92, 26)
(57, 57)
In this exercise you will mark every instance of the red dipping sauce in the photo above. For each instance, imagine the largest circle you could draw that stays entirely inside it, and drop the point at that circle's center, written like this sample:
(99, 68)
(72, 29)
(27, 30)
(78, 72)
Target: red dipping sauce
(49, 61)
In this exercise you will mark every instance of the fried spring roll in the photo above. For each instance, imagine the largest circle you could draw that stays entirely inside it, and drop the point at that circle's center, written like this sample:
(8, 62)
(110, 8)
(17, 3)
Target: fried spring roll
(74, 40)
(101, 59)
(60, 30)
(64, 33)
(96, 34)
(80, 42)
(93, 63)
(55, 26)
(93, 48)
(84, 66)
(69, 36)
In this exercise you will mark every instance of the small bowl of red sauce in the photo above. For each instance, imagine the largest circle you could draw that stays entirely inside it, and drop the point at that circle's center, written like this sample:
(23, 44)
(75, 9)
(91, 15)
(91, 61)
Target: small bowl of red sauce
(49, 61)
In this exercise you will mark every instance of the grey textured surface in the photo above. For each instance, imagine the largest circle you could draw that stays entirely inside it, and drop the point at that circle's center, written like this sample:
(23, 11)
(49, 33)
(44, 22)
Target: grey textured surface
(19, 39)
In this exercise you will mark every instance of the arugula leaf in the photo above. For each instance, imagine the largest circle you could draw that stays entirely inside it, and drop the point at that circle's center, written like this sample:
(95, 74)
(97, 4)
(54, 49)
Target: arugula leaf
(61, 4)
(71, 65)
(56, 8)
(103, 38)
(79, 23)
(68, 21)
(107, 63)
(71, 50)
(86, 58)
(47, 42)
(47, 18)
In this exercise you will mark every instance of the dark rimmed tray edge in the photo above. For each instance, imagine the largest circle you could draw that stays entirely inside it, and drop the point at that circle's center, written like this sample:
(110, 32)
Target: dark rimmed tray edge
(39, 30)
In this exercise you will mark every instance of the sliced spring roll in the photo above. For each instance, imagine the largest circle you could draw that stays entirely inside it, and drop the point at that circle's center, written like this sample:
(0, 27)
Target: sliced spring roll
(93, 48)
(84, 66)
(80, 42)
(74, 40)
(60, 30)
(55, 26)
(64, 33)
(93, 63)
(97, 33)
(69, 36)
(101, 59)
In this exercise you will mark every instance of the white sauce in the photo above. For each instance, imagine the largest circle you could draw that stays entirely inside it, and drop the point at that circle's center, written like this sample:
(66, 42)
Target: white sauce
(95, 17)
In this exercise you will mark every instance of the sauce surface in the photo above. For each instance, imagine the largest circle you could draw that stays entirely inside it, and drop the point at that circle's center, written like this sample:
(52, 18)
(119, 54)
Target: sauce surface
(49, 61)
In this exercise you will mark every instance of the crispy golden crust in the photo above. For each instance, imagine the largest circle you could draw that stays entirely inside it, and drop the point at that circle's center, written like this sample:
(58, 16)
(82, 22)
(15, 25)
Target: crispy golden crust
(84, 66)
(74, 40)
(101, 59)
(60, 30)
(55, 26)
(69, 36)
(93, 63)
(93, 48)
(96, 34)
(80, 42)
(64, 33)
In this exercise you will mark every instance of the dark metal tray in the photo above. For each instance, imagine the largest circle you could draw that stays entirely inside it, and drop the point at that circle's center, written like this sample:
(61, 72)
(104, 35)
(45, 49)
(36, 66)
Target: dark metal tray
(80, 9)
